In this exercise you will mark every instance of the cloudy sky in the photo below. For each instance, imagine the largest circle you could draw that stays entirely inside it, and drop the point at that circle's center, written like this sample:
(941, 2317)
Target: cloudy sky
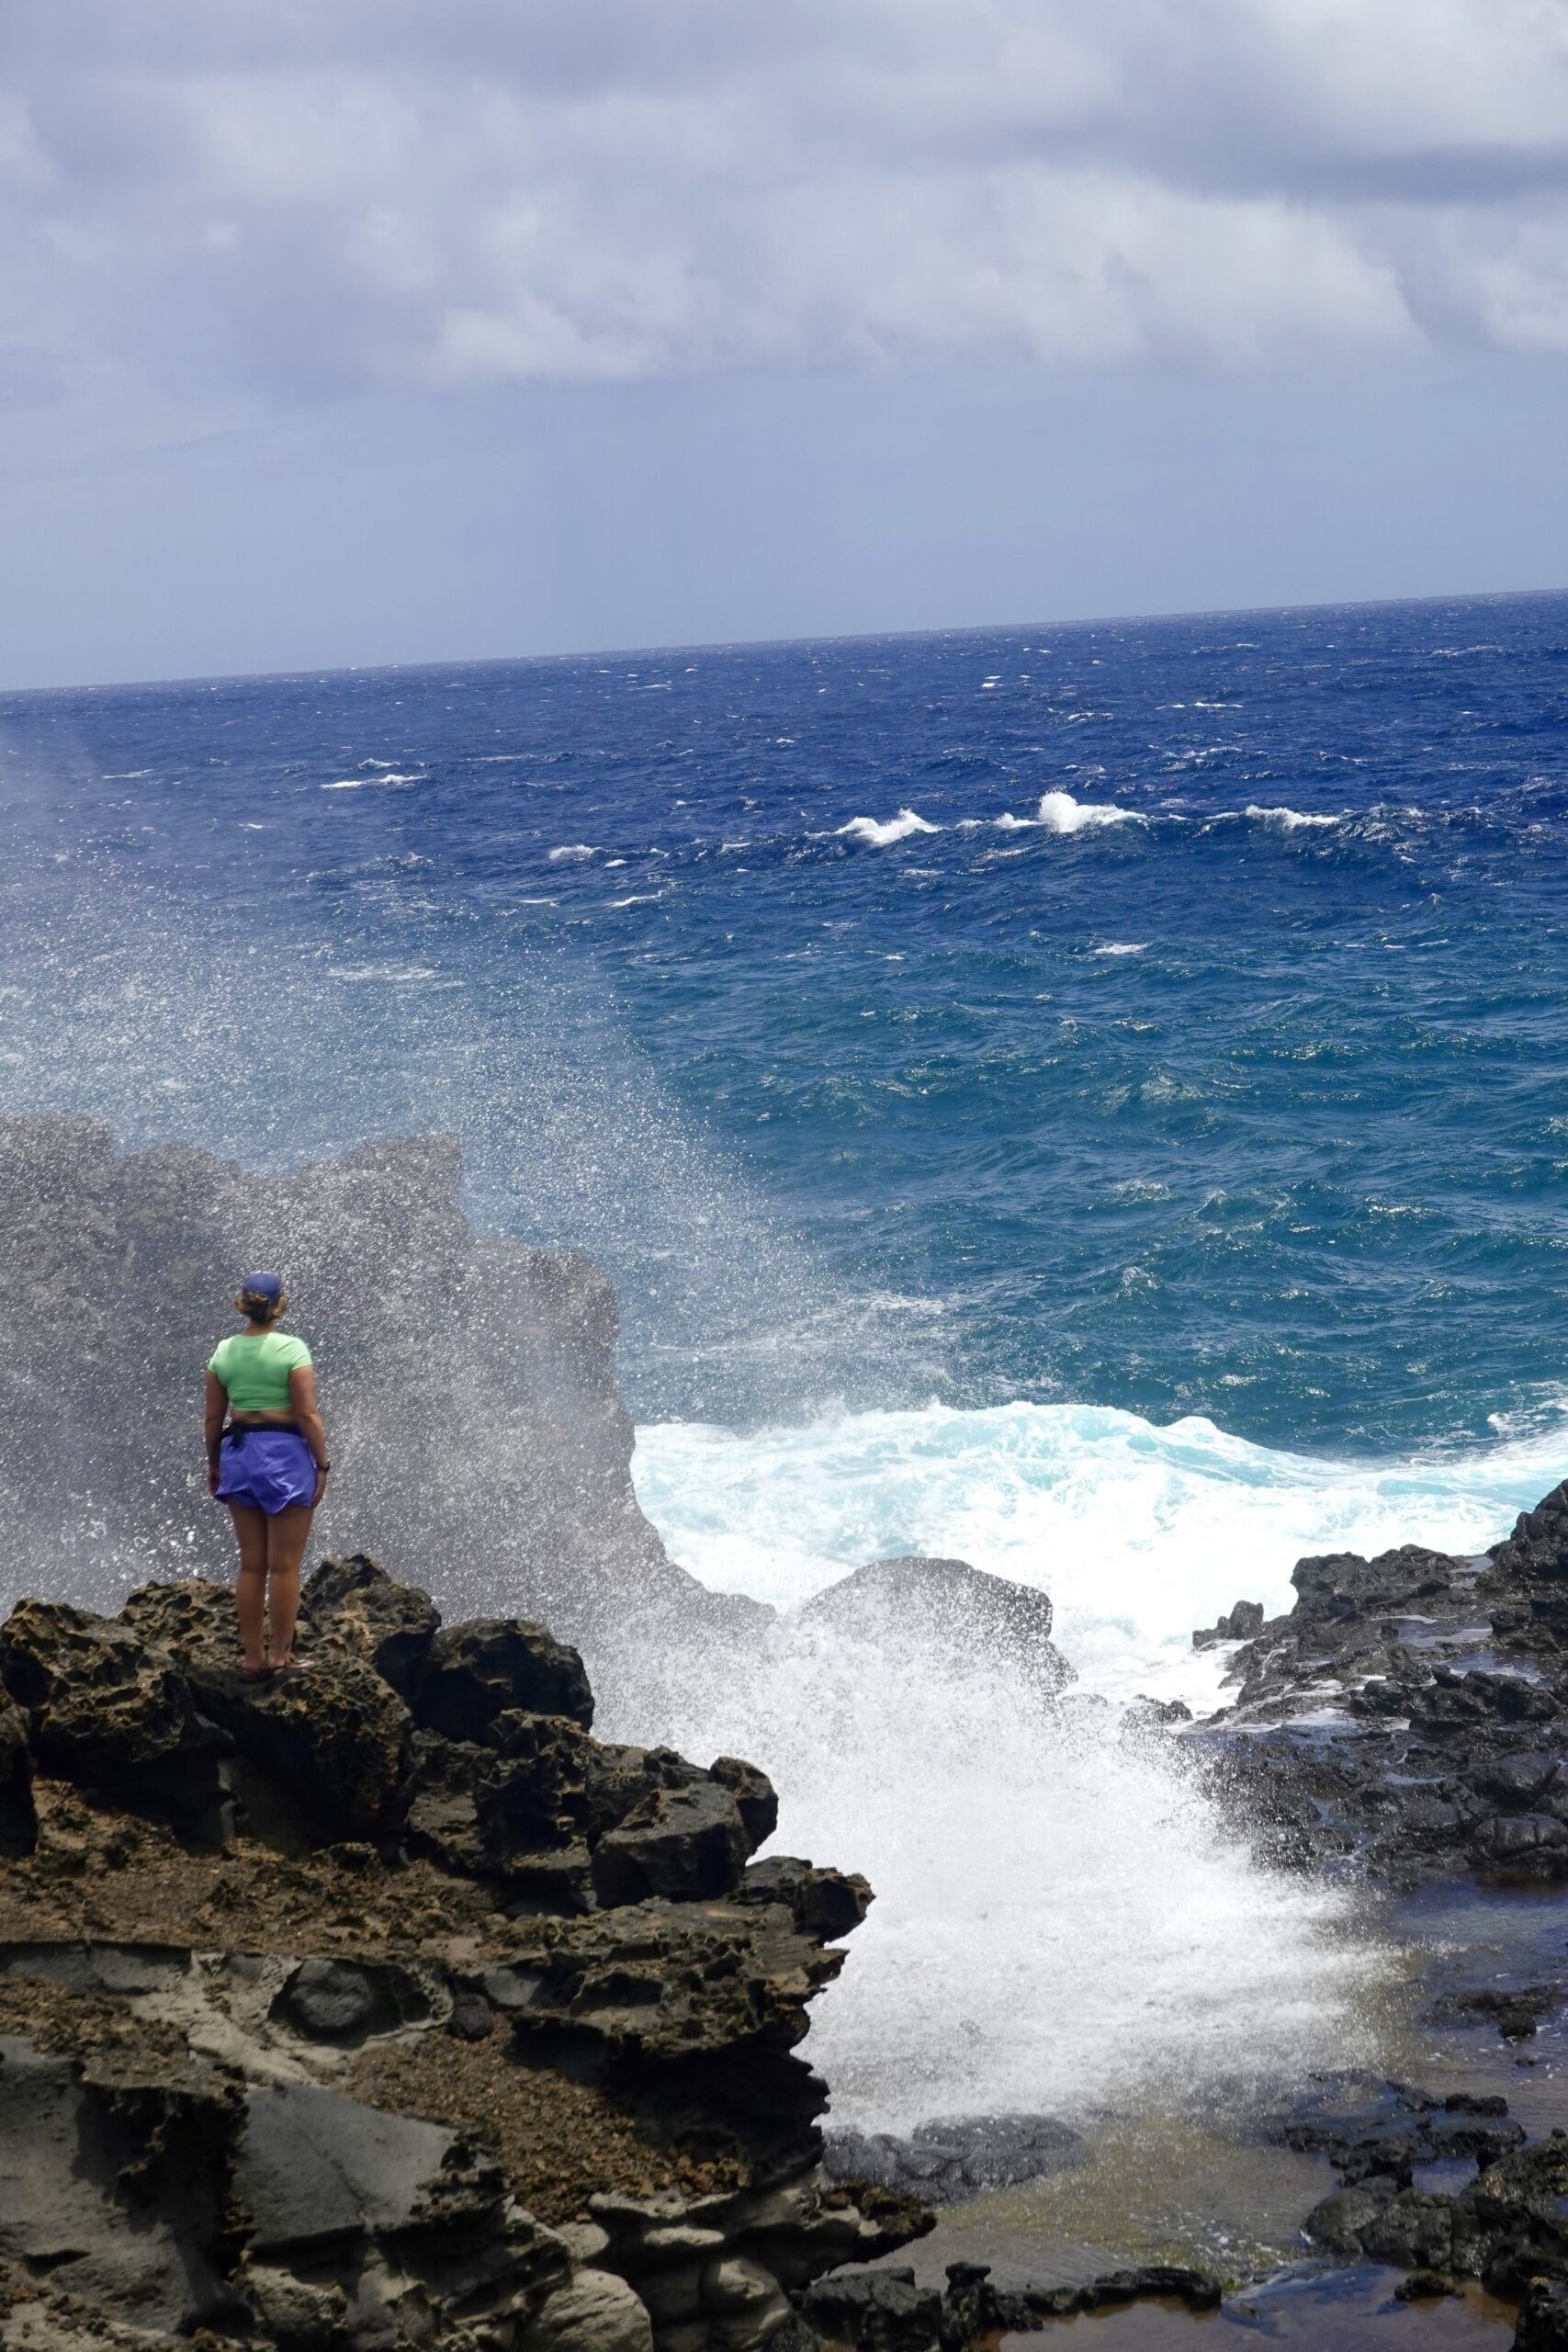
(359, 330)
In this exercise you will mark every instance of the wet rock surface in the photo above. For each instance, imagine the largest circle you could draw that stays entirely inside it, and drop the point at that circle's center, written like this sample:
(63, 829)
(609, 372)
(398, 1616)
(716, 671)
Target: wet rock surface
(884, 2310)
(383, 2006)
(1410, 1715)
(959, 2157)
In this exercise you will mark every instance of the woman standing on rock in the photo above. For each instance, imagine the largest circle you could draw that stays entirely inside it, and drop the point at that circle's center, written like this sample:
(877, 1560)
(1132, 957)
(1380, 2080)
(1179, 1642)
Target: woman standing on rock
(269, 1465)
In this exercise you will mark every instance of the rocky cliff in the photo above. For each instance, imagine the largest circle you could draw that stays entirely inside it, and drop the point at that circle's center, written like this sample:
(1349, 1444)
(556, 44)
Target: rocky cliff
(383, 2006)
(479, 1439)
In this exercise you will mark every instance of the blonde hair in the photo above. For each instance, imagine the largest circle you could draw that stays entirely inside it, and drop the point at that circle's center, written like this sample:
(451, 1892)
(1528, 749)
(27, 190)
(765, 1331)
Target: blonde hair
(260, 1309)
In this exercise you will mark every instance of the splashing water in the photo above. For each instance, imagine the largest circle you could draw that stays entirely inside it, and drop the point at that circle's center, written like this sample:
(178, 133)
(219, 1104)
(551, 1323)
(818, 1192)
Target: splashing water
(1061, 1922)
(1138, 1532)
(1062, 1919)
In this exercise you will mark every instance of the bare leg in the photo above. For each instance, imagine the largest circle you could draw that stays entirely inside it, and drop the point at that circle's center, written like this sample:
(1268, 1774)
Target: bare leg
(287, 1534)
(250, 1593)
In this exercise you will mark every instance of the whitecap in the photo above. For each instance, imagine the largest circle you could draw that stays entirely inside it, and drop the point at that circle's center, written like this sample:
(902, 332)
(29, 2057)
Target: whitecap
(1121, 947)
(1289, 821)
(572, 848)
(1060, 813)
(880, 835)
(646, 899)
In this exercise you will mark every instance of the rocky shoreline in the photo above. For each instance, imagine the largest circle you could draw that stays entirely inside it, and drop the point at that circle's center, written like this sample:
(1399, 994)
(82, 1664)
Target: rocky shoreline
(384, 2005)
(387, 2007)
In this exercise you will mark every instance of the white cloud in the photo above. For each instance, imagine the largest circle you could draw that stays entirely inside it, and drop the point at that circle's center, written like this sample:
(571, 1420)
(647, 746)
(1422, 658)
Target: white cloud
(215, 202)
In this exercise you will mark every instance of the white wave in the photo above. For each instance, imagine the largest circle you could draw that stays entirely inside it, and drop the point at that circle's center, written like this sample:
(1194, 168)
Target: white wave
(1121, 947)
(879, 835)
(644, 898)
(1062, 1921)
(1288, 820)
(1060, 813)
(1138, 1532)
(573, 849)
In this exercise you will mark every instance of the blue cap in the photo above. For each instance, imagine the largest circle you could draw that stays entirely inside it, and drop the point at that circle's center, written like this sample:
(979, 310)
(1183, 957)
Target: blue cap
(266, 1286)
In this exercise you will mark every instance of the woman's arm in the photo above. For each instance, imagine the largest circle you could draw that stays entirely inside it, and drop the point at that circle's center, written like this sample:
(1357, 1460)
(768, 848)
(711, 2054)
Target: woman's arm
(217, 1405)
(312, 1429)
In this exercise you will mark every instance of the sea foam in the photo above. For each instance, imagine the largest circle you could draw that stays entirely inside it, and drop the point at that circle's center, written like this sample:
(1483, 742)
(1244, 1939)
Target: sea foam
(879, 834)
(1138, 1532)
(1289, 821)
(1063, 1923)
(1059, 812)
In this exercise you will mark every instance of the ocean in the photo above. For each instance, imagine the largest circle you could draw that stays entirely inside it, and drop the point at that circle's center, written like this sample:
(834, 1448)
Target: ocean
(1086, 1099)
(1110, 1074)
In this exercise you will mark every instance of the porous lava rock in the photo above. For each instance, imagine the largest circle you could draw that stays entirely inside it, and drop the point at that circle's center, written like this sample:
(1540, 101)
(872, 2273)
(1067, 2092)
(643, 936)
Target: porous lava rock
(959, 2157)
(1410, 1715)
(381, 2006)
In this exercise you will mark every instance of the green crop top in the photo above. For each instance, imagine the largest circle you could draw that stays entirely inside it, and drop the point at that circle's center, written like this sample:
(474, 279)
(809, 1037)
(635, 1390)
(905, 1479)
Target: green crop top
(254, 1369)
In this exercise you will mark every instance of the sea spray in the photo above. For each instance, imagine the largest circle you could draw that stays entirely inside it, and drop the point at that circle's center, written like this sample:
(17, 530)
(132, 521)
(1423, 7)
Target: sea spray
(1062, 1922)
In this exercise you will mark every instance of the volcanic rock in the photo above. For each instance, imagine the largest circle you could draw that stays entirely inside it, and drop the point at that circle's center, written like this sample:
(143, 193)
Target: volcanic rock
(1242, 1623)
(958, 2156)
(1411, 1712)
(323, 2068)
(475, 1673)
(957, 1618)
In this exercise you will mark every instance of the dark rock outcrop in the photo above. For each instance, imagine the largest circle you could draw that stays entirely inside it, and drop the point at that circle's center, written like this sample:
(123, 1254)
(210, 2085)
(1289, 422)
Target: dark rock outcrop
(1411, 1712)
(958, 2156)
(1507, 2228)
(1241, 1623)
(383, 2006)
(955, 1617)
(1370, 2128)
(885, 2310)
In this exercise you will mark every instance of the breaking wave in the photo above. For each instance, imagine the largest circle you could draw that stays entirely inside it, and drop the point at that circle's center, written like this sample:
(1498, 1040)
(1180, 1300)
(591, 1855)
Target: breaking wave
(878, 835)
(1138, 1532)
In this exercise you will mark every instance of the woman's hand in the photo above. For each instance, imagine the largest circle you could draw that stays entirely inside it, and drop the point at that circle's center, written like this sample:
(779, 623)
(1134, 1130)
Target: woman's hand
(320, 1488)
(214, 1474)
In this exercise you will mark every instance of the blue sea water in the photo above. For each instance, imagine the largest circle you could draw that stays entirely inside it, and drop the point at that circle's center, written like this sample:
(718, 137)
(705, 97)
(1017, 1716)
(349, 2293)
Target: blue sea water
(1112, 1074)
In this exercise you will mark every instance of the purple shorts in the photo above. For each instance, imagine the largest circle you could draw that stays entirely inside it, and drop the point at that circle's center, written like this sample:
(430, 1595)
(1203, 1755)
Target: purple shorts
(270, 1470)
